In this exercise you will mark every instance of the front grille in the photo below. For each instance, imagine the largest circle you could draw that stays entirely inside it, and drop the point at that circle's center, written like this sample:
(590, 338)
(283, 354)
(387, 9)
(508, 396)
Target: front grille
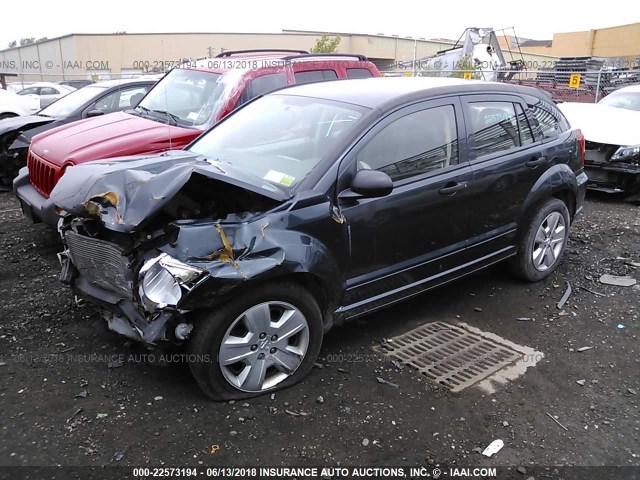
(41, 174)
(100, 262)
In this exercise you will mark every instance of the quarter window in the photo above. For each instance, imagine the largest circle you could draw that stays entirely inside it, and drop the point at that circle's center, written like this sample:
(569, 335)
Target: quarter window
(264, 84)
(415, 144)
(547, 121)
(359, 73)
(315, 76)
(496, 128)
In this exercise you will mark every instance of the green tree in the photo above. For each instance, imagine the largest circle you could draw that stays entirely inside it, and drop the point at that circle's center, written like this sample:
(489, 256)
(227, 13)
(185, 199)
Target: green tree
(27, 41)
(13, 43)
(42, 39)
(326, 44)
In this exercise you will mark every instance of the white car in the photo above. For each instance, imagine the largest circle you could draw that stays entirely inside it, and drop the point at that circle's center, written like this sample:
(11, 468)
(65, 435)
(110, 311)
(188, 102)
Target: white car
(13, 105)
(47, 92)
(611, 129)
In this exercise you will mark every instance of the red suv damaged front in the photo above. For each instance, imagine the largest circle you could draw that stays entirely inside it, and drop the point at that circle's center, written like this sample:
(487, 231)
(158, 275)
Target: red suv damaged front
(185, 103)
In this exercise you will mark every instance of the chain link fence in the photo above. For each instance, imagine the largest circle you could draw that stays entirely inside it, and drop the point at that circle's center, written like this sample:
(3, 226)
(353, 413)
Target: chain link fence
(563, 86)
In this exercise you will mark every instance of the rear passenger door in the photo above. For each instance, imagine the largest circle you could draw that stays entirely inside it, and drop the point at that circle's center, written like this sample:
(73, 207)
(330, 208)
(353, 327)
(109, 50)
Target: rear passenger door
(506, 161)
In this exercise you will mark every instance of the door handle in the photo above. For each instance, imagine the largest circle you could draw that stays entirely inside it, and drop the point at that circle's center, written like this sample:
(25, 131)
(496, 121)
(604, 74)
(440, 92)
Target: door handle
(533, 163)
(452, 188)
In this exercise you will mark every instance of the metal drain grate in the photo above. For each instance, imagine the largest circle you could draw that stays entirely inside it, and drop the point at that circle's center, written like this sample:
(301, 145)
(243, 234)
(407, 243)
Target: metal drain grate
(450, 355)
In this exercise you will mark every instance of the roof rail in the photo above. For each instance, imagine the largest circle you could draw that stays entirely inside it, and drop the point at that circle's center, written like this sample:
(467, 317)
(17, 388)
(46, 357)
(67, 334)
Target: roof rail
(361, 58)
(259, 50)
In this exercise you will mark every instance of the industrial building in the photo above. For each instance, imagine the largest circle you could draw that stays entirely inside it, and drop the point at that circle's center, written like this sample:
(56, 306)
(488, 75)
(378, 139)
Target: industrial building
(104, 56)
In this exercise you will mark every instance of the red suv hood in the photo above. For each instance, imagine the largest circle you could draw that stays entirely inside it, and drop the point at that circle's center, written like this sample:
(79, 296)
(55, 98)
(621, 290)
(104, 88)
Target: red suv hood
(113, 135)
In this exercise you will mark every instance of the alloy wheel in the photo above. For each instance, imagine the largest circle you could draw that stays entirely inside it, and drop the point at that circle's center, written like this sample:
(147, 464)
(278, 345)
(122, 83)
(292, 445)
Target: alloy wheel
(264, 346)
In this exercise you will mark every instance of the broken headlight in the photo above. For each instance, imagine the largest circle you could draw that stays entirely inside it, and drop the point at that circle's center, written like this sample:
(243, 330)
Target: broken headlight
(627, 153)
(162, 279)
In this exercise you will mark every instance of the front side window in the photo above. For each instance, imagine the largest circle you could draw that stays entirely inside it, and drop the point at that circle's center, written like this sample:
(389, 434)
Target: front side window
(415, 144)
(30, 91)
(71, 102)
(120, 100)
(277, 140)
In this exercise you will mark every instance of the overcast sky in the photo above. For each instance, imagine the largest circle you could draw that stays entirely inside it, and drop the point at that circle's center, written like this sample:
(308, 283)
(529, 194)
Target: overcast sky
(429, 19)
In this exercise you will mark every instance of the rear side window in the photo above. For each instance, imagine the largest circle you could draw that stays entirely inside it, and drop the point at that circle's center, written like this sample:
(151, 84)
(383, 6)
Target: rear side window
(550, 122)
(315, 76)
(264, 84)
(497, 128)
(359, 73)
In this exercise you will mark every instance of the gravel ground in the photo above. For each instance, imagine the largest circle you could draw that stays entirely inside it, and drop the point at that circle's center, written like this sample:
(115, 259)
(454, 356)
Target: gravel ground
(62, 404)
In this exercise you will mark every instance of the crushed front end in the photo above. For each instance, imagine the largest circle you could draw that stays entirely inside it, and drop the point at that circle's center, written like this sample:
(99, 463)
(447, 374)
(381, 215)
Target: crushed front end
(149, 241)
(613, 168)
(138, 292)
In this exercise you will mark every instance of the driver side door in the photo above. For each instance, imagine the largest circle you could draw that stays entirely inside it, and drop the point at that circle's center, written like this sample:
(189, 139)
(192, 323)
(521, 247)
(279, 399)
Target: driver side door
(407, 241)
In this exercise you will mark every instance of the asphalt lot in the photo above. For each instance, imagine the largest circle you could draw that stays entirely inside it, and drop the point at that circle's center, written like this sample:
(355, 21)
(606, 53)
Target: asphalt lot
(63, 405)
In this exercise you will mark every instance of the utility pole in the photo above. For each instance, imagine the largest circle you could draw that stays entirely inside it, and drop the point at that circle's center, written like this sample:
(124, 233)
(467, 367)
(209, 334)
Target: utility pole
(210, 50)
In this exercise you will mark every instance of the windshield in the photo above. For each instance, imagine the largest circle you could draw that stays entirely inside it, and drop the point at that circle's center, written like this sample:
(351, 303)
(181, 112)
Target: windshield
(184, 97)
(71, 102)
(279, 138)
(628, 100)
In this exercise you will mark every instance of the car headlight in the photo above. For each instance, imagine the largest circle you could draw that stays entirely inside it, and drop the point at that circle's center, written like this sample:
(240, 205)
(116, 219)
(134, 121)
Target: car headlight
(625, 153)
(162, 279)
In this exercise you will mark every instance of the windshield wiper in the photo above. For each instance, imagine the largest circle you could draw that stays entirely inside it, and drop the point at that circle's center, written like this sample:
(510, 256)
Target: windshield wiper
(175, 118)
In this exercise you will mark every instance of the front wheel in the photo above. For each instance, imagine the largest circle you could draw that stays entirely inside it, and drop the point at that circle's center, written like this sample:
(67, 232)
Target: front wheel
(264, 341)
(542, 244)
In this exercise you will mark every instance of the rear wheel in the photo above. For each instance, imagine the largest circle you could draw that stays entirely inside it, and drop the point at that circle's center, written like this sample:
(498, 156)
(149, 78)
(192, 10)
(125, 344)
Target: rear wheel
(264, 341)
(542, 244)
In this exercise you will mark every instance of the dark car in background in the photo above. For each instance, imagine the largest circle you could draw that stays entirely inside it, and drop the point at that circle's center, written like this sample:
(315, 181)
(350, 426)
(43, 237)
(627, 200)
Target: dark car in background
(75, 83)
(90, 101)
(315, 205)
(186, 102)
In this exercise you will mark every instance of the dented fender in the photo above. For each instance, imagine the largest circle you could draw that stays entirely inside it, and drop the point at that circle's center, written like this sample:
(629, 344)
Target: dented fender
(235, 254)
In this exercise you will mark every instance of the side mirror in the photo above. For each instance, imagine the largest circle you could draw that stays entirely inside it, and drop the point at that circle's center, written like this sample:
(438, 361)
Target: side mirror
(368, 184)
(94, 113)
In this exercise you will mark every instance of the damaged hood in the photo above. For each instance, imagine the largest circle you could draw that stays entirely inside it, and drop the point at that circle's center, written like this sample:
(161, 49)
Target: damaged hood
(124, 192)
(107, 136)
(18, 123)
(602, 123)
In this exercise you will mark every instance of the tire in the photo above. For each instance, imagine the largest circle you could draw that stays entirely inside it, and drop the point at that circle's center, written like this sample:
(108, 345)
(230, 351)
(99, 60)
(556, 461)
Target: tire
(240, 319)
(540, 249)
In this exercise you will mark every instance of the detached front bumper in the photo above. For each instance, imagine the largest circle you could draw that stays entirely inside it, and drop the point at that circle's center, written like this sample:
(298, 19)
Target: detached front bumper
(34, 206)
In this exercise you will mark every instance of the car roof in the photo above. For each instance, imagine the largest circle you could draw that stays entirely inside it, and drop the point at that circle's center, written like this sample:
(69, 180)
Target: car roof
(380, 91)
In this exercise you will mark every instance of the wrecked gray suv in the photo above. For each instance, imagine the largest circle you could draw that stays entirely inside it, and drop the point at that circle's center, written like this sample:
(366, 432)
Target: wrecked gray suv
(314, 205)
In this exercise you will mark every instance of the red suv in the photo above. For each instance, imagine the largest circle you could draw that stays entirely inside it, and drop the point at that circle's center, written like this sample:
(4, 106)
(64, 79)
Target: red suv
(185, 103)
